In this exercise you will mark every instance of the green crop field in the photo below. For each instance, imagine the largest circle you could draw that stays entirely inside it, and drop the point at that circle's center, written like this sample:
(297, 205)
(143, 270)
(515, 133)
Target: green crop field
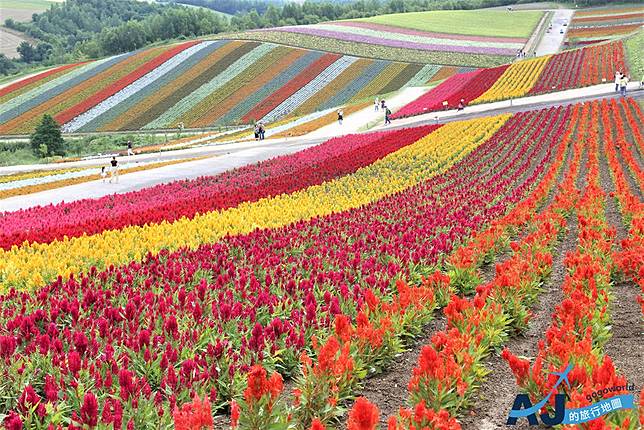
(499, 23)
(35, 5)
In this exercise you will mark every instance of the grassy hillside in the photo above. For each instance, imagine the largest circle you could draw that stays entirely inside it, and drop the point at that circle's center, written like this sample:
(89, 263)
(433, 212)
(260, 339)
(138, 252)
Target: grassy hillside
(496, 23)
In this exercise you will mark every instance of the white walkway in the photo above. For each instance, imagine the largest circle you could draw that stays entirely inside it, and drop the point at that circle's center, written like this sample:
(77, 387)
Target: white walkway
(148, 178)
(552, 98)
(552, 41)
(368, 117)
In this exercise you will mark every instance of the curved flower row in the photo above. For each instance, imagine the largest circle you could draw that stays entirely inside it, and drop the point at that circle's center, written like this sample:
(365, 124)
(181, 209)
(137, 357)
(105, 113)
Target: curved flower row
(376, 85)
(463, 86)
(392, 39)
(170, 202)
(150, 335)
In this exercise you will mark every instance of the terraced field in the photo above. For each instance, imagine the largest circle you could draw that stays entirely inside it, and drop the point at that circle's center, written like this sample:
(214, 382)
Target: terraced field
(201, 84)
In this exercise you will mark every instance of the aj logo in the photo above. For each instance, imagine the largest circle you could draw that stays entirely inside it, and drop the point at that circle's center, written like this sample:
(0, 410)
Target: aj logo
(523, 408)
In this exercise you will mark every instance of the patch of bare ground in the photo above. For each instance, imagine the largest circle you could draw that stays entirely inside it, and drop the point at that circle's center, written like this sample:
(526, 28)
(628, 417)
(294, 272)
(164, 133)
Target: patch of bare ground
(490, 409)
(625, 346)
(388, 389)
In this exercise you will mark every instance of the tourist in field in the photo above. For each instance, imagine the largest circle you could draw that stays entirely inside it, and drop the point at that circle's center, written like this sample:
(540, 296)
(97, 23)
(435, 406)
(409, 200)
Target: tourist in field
(382, 104)
(114, 170)
(618, 78)
(461, 105)
(376, 104)
(340, 116)
(387, 116)
(103, 173)
(256, 131)
(262, 131)
(130, 151)
(623, 82)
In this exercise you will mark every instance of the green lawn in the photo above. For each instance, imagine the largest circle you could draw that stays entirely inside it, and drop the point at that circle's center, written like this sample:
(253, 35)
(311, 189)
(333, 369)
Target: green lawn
(499, 23)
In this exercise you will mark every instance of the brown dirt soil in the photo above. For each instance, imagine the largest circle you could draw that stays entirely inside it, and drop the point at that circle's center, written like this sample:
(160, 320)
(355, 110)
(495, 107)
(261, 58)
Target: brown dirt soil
(625, 346)
(388, 390)
(490, 408)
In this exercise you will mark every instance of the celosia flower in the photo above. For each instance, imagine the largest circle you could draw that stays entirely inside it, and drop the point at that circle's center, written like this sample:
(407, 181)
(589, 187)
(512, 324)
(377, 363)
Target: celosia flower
(363, 416)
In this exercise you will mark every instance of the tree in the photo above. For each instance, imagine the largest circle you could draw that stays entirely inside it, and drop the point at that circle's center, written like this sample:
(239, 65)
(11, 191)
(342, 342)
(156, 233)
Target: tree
(6, 65)
(47, 140)
(26, 51)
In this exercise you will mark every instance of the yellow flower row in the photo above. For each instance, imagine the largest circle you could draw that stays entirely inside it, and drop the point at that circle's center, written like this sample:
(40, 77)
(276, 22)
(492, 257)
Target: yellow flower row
(34, 264)
(516, 81)
(36, 174)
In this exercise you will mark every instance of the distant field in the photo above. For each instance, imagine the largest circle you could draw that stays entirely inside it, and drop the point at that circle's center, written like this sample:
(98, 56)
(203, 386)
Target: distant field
(496, 23)
(21, 10)
(598, 24)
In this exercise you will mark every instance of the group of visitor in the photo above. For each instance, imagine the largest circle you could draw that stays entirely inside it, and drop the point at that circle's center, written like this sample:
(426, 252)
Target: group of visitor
(621, 81)
(260, 131)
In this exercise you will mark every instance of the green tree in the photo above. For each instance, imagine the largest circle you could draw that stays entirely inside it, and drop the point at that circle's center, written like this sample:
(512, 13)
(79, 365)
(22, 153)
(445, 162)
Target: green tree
(6, 65)
(47, 140)
(26, 51)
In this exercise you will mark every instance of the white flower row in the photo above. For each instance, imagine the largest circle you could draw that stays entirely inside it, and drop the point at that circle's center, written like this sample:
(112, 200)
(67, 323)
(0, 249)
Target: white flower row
(416, 39)
(40, 89)
(168, 118)
(134, 87)
(310, 89)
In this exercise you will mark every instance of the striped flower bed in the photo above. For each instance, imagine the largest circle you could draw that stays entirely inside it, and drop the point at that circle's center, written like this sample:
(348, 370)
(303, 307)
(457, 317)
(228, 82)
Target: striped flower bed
(202, 84)
(408, 39)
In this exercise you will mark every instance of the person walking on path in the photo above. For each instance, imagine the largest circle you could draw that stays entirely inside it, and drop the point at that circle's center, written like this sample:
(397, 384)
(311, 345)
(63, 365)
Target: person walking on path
(376, 104)
(262, 131)
(618, 77)
(623, 82)
(387, 114)
(114, 170)
(340, 116)
(130, 151)
(382, 104)
(256, 131)
(103, 173)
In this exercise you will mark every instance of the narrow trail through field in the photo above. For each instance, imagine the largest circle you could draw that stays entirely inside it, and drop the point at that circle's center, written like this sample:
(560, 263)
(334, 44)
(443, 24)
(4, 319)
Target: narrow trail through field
(389, 390)
(489, 410)
(625, 347)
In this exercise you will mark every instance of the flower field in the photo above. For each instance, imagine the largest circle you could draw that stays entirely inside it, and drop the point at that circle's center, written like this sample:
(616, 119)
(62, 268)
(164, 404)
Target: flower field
(566, 70)
(599, 24)
(199, 84)
(464, 38)
(167, 305)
